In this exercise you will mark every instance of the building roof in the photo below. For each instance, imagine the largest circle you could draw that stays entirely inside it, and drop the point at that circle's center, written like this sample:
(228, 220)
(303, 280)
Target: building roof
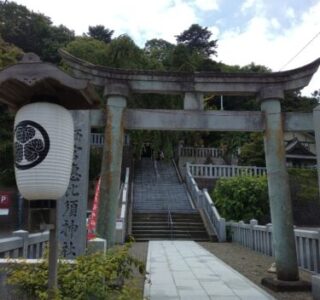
(295, 149)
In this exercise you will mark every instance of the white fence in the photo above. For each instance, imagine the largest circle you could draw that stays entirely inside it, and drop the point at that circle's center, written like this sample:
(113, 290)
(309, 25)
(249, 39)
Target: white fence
(200, 152)
(203, 201)
(224, 171)
(97, 139)
(23, 244)
(259, 238)
(122, 219)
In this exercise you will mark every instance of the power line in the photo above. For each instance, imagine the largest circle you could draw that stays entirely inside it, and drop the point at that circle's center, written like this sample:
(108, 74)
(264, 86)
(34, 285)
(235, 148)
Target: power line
(304, 47)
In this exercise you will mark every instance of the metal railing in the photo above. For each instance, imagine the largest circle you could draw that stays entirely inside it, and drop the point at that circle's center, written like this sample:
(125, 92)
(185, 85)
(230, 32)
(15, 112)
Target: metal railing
(24, 245)
(204, 202)
(259, 238)
(170, 223)
(177, 171)
(224, 171)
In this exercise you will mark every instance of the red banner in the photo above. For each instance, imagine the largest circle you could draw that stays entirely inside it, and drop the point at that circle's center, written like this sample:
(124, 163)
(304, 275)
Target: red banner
(92, 222)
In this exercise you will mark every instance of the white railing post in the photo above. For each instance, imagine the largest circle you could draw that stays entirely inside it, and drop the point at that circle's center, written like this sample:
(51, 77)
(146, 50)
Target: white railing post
(269, 240)
(253, 223)
(24, 235)
(222, 230)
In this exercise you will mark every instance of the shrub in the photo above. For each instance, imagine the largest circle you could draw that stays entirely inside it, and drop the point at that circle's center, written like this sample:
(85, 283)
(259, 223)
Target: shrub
(94, 276)
(242, 198)
(304, 185)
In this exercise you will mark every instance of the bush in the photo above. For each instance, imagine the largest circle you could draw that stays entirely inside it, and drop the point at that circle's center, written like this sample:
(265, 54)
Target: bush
(304, 185)
(242, 198)
(95, 276)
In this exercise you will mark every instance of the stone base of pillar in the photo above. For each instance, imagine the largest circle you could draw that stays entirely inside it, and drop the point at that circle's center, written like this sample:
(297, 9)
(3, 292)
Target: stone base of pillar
(286, 286)
(316, 287)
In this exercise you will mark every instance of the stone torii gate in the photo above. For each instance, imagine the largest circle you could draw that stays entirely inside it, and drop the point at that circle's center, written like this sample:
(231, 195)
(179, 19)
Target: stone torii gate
(269, 90)
(118, 85)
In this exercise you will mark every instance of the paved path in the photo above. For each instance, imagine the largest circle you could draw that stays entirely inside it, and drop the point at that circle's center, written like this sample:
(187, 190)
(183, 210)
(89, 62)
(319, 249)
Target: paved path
(185, 270)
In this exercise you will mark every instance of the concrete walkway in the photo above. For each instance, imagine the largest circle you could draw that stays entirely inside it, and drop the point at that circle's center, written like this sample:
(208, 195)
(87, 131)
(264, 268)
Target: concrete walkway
(185, 270)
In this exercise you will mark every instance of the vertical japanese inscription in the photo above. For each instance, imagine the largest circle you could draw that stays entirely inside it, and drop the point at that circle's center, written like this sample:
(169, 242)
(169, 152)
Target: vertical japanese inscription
(73, 206)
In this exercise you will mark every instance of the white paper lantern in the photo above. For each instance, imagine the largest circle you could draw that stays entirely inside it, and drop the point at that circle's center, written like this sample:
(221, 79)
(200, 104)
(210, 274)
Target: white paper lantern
(43, 146)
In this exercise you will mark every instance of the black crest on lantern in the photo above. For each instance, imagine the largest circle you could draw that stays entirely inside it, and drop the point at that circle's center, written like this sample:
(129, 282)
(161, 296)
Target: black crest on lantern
(31, 144)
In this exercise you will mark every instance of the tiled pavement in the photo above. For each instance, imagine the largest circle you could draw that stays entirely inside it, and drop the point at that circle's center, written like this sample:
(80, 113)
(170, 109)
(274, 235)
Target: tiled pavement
(185, 270)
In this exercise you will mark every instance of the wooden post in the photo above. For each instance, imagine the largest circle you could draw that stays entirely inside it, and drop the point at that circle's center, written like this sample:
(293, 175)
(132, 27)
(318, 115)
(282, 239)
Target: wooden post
(53, 254)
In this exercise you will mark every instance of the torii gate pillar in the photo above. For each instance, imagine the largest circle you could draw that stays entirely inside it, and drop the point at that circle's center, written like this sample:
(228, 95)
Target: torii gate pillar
(116, 100)
(278, 186)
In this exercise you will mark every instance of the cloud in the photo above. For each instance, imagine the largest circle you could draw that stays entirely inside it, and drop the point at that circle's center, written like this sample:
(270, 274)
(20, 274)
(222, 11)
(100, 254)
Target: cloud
(141, 19)
(261, 43)
(215, 32)
(257, 5)
(290, 13)
(207, 5)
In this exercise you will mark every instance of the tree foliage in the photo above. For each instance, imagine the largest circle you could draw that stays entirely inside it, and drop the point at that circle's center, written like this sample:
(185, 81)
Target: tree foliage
(252, 152)
(89, 49)
(242, 198)
(100, 33)
(160, 51)
(197, 39)
(32, 32)
(9, 54)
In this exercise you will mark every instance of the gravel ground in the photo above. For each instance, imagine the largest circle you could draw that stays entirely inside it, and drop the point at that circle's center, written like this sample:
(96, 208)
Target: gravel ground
(254, 266)
(251, 264)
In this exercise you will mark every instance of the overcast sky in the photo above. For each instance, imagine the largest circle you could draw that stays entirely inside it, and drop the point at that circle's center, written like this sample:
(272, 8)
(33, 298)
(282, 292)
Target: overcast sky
(267, 32)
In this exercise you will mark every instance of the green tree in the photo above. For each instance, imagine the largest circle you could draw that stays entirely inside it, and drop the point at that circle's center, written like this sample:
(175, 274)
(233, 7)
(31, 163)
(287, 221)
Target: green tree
(99, 32)
(124, 53)
(294, 101)
(9, 54)
(89, 49)
(197, 39)
(32, 32)
(160, 51)
(252, 152)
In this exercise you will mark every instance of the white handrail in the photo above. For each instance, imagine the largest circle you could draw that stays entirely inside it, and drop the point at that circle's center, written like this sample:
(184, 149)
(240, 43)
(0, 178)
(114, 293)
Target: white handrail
(224, 171)
(121, 221)
(23, 244)
(203, 201)
(200, 152)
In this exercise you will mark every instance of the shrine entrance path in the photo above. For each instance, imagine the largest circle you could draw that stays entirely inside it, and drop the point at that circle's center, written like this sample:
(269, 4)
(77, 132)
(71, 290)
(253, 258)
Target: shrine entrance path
(185, 270)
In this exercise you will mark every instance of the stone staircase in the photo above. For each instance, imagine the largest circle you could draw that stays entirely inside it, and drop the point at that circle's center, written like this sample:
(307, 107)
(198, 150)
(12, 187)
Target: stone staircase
(156, 191)
(156, 226)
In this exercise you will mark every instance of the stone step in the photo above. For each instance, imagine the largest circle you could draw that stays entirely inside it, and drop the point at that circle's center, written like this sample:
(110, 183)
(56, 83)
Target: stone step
(170, 237)
(165, 218)
(165, 223)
